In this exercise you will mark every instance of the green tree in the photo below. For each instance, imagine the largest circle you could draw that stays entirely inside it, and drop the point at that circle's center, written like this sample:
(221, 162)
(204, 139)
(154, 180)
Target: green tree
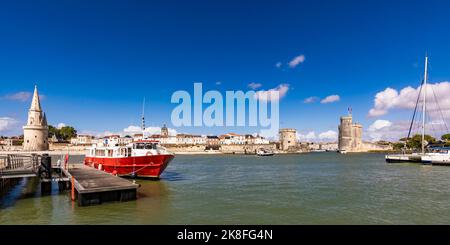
(53, 131)
(445, 137)
(416, 141)
(67, 132)
(398, 145)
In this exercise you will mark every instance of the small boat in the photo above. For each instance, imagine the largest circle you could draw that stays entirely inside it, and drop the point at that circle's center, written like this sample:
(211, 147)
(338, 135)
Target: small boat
(427, 155)
(319, 150)
(264, 152)
(342, 151)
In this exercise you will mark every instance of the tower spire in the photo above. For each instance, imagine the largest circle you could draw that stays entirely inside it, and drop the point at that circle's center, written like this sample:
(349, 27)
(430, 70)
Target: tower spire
(35, 102)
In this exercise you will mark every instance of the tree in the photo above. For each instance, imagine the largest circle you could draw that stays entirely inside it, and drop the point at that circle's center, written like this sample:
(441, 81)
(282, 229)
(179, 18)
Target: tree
(445, 137)
(398, 146)
(64, 133)
(53, 131)
(67, 132)
(416, 141)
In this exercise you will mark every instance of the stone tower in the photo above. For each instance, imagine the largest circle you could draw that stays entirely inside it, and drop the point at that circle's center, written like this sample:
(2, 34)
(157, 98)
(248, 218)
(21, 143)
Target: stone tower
(35, 133)
(350, 135)
(345, 133)
(288, 138)
(164, 131)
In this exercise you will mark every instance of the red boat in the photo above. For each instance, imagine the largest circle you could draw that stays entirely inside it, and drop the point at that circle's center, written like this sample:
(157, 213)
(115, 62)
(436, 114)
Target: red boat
(144, 158)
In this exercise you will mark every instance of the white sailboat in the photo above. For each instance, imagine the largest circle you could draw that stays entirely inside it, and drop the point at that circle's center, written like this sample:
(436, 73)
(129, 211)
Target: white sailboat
(436, 155)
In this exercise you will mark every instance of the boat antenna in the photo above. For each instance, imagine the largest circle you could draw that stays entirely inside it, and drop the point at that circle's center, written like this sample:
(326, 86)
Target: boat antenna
(424, 106)
(143, 119)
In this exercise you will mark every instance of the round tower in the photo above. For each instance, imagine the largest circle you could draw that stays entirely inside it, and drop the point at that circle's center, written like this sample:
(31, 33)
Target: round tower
(345, 133)
(288, 138)
(35, 133)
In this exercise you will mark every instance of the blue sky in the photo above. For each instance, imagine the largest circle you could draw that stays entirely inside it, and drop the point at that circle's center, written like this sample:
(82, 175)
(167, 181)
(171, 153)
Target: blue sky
(94, 61)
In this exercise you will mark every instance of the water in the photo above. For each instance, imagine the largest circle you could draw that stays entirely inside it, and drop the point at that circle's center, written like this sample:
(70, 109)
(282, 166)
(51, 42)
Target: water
(316, 188)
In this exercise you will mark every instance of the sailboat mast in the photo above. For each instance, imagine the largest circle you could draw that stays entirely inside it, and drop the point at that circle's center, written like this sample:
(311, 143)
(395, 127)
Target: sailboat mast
(143, 119)
(424, 105)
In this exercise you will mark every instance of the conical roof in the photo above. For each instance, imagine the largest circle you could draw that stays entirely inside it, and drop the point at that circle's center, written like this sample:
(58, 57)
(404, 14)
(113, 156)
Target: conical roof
(35, 103)
(44, 120)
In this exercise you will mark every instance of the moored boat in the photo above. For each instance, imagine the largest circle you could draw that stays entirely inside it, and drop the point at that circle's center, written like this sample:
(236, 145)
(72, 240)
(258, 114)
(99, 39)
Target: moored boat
(143, 158)
(427, 155)
(264, 152)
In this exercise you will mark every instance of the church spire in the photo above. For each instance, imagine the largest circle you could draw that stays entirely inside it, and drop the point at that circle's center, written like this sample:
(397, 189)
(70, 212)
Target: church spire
(35, 103)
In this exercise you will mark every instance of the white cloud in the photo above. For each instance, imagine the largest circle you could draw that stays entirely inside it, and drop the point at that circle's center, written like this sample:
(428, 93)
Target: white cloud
(391, 99)
(60, 125)
(296, 61)
(132, 129)
(218, 83)
(278, 64)
(19, 96)
(331, 99)
(311, 99)
(253, 85)
(379, 124)
(309, 136)
(329, 135)
(7, 124)
(387, 130)
(271, 94)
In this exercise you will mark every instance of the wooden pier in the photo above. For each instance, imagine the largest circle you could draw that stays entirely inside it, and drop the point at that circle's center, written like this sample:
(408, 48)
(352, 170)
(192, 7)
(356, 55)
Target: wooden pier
(95, 187)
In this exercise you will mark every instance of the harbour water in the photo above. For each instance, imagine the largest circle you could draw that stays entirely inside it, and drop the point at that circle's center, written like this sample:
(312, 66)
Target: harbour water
(315, 188)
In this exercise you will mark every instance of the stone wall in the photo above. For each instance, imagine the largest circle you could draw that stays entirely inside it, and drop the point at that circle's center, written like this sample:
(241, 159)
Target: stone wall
(246, 149)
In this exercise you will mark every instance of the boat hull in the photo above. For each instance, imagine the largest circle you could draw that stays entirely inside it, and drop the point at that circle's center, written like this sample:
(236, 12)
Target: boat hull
(151, 166)
(406, 158)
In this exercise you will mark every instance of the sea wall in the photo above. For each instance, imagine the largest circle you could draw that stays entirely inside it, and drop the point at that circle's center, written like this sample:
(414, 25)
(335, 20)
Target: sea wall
(247, 149)
(226, 149)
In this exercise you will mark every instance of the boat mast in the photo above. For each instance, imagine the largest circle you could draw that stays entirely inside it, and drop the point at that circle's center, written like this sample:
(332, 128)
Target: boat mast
(424, 106)
(143, 119)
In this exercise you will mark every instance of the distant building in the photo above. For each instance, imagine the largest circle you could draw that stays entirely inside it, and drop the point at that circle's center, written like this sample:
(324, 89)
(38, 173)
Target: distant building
(116, 139)
(288, 139)
(164, 131)
(350, 135)
(137, 137)
(212, 140)
(82, 139)
(189, 139)
(36, 131)
(232, 139)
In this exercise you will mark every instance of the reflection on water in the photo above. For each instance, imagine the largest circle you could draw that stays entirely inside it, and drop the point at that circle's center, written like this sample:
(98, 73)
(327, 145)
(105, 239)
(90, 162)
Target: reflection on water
(316, 188)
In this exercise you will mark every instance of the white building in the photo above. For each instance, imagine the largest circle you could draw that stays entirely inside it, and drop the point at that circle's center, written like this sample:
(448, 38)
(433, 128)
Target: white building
(232, 139)
(82, 139)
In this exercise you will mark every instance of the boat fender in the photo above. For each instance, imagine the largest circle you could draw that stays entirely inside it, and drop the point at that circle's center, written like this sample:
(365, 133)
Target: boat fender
(99, 167)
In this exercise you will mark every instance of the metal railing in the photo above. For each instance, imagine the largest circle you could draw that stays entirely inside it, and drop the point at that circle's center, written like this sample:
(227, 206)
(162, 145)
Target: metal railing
(19, 164)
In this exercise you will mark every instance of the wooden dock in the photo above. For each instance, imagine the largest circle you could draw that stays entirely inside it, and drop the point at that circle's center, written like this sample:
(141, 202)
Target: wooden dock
(95, 187)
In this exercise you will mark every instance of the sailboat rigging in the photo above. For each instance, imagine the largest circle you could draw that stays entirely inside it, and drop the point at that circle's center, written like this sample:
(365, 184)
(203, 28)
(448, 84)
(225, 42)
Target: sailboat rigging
(436, 155)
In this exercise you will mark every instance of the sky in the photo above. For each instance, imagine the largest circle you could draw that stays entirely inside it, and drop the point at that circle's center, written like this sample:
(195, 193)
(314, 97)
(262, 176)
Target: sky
(95, 61)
